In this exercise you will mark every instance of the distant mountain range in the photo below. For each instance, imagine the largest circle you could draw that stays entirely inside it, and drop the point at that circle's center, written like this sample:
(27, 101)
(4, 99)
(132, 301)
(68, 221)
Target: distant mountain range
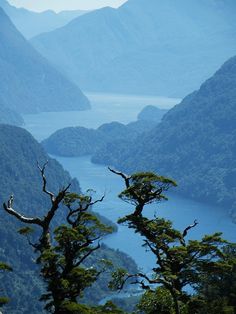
(144, 47)
(31, 23)
(194, 144)
(28, 82)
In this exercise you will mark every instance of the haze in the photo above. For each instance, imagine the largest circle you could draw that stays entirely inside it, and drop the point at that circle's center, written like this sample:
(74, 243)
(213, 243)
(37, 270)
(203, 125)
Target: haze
(60, 5)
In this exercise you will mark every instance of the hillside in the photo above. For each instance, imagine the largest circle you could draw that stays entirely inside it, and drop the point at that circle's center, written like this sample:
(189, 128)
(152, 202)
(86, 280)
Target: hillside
(8, 116)
(31, 23)
(143, 46)
(194, 143)
(19, 153)
(80, 141)
(152, 113)
(28, 82)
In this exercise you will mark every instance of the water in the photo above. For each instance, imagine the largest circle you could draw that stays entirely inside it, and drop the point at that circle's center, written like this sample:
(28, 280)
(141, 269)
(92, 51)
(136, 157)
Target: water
(107, 108)
(180, 210)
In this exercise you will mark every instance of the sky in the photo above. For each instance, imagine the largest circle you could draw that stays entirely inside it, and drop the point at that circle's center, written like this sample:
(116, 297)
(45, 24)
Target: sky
(59, 5)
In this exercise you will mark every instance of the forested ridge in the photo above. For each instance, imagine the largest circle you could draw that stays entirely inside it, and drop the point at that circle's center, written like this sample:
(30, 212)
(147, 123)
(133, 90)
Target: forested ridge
(20, 176)
(80, 141)
(194, 143)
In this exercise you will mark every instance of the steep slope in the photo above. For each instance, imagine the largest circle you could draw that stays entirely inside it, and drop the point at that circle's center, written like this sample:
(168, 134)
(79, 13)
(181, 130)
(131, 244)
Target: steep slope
(28, 82)
(8, 116)
(143, 46)
(19, 153)
(194, 143)
(33, 23)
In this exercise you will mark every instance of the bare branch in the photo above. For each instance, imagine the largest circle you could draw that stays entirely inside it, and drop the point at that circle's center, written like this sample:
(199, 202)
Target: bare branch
(185, 232)
(124, 176)
(81, 208)
(42, 170)
(11, 211)
(98, 201)
(88, 254)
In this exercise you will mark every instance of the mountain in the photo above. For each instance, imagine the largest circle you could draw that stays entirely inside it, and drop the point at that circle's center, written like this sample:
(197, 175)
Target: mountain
(80, 141)
(28, 82)
(19, 153)
(8, 116)
(31, 23)
(144, 47)
(152, 113)
(194, 144)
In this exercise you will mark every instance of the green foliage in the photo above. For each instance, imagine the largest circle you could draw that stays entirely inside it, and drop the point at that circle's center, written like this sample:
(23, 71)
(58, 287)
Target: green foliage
(159, 301)
(216, 291)
(19, 153)
(179, 263)
(4, 267)
(194, 143)
(108, 308)
(146, 187)
(26, 231)
(80, 141)
(3, 301)
(62, 260)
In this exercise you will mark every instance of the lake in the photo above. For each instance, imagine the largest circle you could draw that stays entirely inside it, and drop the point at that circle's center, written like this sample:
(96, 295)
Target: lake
(105, 108)
(182, 211)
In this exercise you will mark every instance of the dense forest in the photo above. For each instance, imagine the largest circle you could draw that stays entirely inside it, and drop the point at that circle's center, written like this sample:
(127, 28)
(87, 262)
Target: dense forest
(20, 177)
(80, 141)
(194, 143)
(57, 254)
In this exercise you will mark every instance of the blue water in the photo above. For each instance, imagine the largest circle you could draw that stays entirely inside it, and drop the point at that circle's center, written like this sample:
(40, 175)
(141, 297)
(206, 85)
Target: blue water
(182, 211)
(105, 108)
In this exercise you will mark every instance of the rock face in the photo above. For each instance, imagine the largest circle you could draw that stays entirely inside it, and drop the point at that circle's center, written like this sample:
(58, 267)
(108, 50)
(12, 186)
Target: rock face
(145, 47)
(31, 23)
(28, 82)
(194, 143)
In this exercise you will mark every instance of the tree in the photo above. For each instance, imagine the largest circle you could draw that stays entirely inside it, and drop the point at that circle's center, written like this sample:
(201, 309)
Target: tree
(217, 291)
(180, 263)
(61, 253)
(4, 267)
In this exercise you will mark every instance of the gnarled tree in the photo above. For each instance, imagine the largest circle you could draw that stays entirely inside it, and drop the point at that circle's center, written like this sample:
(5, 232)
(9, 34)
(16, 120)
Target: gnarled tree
(61, 253)
(180, 263)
